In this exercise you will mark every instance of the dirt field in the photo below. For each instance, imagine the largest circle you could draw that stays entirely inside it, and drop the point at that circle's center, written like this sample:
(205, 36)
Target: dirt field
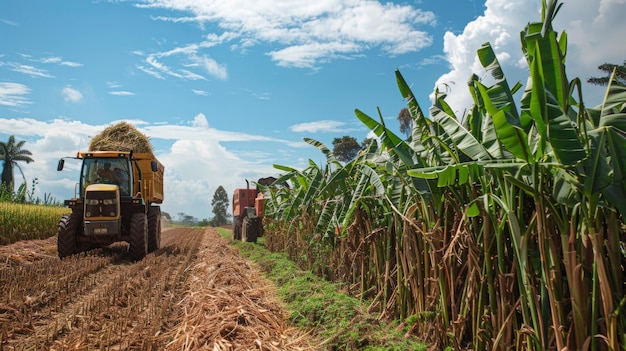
(194, 293)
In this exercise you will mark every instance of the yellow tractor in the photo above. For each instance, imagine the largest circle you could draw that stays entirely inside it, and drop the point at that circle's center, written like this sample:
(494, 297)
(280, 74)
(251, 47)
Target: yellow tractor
(116, 199)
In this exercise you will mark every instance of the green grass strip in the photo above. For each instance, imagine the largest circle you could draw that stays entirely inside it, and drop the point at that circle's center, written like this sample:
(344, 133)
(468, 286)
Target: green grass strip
(338, 321)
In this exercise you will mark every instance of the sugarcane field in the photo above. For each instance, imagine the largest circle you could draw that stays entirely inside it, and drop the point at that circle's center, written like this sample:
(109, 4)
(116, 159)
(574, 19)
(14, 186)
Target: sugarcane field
(489, 220)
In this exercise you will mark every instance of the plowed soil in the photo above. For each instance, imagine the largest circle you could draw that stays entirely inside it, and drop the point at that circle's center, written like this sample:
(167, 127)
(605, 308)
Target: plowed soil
(194, 293)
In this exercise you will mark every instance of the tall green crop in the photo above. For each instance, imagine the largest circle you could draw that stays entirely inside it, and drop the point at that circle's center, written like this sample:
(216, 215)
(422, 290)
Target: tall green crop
(500, 229)
(23, 222)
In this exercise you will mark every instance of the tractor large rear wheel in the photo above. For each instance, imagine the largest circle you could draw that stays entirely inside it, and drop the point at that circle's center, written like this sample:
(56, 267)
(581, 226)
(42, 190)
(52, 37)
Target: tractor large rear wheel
(138, 236)
(249, 233)
(154, 228)
(67, 231)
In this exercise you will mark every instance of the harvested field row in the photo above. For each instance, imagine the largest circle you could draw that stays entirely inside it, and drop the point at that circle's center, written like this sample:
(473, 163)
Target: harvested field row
(230, 307)
(194, 292)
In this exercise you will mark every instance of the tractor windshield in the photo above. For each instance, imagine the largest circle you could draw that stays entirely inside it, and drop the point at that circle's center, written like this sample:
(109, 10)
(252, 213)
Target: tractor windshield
(106, 171)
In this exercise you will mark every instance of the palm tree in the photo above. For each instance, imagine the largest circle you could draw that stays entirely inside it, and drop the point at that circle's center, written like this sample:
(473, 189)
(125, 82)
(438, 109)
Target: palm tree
(11, 153)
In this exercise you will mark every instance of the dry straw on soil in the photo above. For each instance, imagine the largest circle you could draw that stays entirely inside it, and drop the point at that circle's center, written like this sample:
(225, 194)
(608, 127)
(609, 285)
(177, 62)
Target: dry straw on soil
(121, 136)
(230, 307)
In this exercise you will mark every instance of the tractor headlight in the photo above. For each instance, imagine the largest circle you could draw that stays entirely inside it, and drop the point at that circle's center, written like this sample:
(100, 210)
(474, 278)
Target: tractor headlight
(109, 202)
(92, 202)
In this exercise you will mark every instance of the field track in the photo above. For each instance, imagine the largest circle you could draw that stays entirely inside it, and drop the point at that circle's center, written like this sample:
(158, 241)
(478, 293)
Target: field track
(194, 293)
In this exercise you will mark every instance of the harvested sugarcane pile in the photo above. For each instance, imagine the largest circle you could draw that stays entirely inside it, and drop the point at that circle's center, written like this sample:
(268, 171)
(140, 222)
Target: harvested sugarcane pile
(121, 136)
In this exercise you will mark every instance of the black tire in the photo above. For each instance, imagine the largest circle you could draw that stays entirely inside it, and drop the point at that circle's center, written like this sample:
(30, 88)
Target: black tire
(248, 230)
(236, 229)
(66, 238)
(138, 236)
(154, 228)
(260, 231)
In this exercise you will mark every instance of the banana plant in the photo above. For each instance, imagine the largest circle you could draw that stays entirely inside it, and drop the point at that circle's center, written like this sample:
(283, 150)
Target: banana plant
(543, 140)
(505, 224)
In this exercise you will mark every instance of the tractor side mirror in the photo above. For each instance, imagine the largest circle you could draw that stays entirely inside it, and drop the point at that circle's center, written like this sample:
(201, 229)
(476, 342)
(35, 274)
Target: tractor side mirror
(60, 165)
(154, 166)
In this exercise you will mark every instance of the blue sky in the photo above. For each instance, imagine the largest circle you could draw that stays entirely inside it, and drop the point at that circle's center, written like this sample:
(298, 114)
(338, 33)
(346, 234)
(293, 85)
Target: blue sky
(226, 89)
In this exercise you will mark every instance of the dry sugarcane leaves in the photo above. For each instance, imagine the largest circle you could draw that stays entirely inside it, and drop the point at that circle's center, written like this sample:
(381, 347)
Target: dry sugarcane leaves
(195, 292)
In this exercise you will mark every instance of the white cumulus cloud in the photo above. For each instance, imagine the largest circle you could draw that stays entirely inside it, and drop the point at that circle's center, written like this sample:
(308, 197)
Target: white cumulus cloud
(72, 95)
(200, 121)
(593, 27)
(340, 28)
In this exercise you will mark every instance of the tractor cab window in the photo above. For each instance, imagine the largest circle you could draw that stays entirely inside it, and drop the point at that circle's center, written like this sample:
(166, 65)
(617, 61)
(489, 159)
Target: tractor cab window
(106, 171)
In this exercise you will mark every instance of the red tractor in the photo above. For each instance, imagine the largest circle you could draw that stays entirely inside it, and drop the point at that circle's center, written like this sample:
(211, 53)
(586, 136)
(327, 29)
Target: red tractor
(248, 213)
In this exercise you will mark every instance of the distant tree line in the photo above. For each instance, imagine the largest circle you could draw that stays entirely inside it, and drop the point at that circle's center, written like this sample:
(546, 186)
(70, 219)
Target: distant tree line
(220, 213)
